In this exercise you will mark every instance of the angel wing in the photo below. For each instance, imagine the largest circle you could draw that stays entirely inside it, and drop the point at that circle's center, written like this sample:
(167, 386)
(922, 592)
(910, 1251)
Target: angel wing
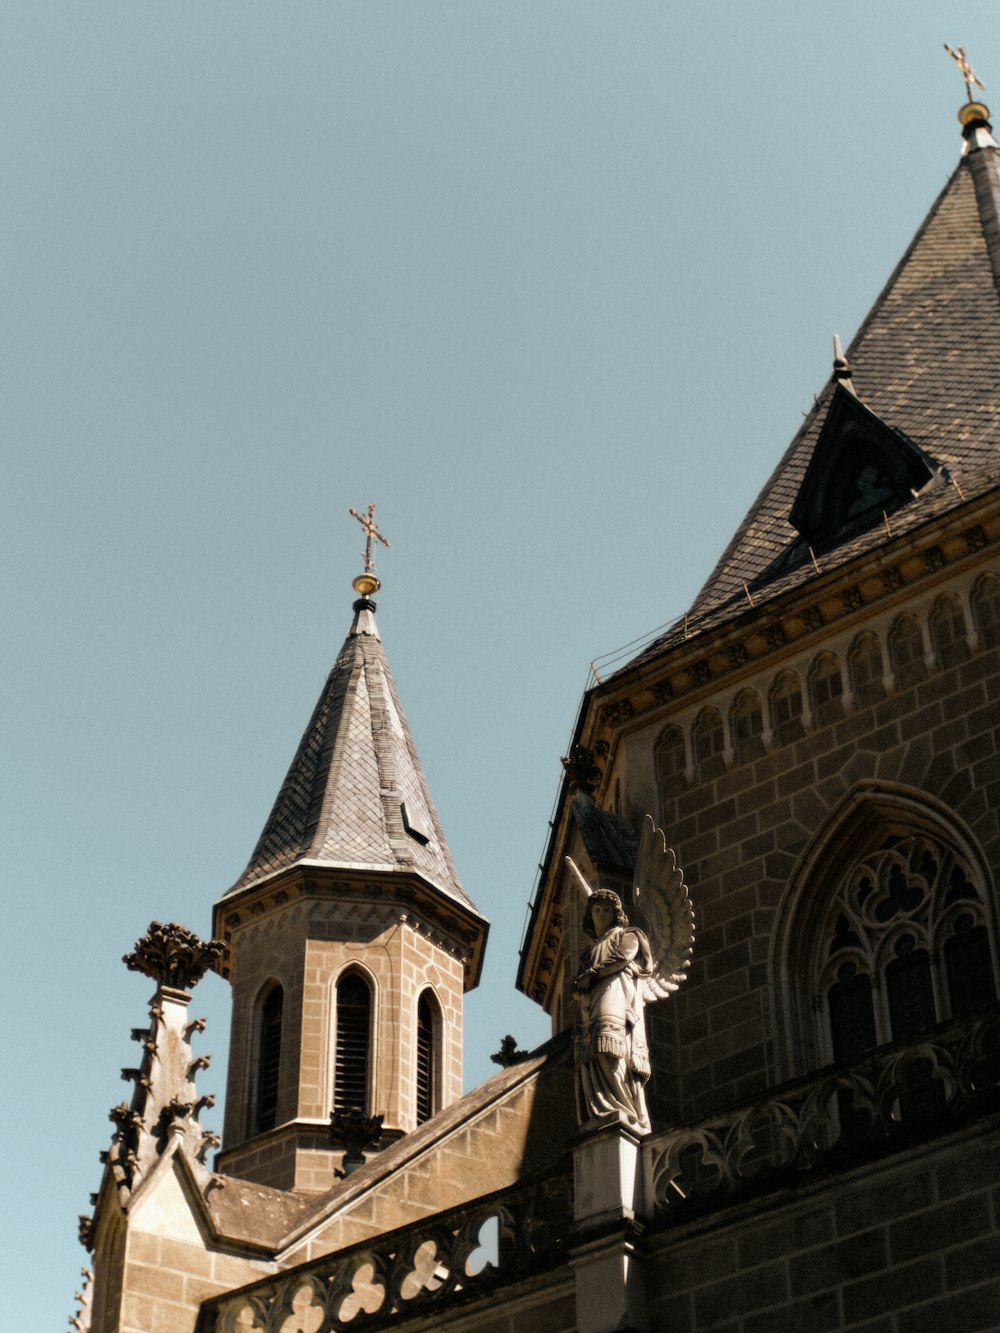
(661, 895)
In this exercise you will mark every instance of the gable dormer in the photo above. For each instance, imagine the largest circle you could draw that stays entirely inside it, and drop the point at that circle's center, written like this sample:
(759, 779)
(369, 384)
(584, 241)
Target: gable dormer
(860, 470)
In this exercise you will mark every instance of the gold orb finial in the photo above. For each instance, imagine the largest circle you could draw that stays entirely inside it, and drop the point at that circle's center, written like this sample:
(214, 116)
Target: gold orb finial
(973, 113)
(365, 584)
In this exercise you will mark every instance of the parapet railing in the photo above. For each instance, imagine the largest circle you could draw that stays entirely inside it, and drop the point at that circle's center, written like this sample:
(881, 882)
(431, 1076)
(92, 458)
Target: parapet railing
(464, 1252)
(901, 1094)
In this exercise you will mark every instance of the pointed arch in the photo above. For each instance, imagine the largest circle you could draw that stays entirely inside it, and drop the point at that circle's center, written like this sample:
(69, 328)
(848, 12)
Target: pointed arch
(670, 755)
(785, 702)
(986, 610)
(948, 631)
(266, 1064)
(428, 1053)
(826, 686)
(865, 660)
(746, 721)
(354, 1010)
(708, 741)
(906, 651)
(868, 923)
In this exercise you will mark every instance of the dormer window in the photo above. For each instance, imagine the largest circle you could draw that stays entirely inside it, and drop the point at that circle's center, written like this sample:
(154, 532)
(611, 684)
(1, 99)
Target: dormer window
(860, 472)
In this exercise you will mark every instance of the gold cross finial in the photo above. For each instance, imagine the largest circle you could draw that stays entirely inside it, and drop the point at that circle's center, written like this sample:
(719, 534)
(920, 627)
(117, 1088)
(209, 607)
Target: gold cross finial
(968, 73)
(368, 578)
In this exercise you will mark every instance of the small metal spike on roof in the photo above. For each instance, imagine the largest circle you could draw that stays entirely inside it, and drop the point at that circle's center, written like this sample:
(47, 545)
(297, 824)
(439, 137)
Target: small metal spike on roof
(841, 367)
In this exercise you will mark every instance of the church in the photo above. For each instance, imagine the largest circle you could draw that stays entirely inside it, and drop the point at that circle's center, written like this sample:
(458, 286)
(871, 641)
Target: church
(818, 739)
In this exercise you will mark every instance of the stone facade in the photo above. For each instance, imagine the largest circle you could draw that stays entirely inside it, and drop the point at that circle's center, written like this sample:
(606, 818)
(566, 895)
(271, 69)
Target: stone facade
(322, 926)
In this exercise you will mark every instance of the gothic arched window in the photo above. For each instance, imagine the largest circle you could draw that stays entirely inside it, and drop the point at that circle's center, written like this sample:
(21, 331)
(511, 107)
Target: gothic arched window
(899, 910)
(746, 720)
(906, 652)
(352, 1056)
(948, 636)
(709, 743)
(671, 760)
(428, 1037)
(786, 707)
(268, 1058)
(986, 610)
(866, 669)
(825, 688)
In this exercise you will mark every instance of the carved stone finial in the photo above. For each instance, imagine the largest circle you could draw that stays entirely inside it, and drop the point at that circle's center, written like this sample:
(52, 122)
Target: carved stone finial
(841, 366)
(508, 1054)
(354, 1132)
(86, 1231)
(582, 770)
(172, 955)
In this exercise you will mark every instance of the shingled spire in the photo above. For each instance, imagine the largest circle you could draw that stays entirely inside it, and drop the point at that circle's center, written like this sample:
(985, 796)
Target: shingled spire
(355, 794)
(350, 940)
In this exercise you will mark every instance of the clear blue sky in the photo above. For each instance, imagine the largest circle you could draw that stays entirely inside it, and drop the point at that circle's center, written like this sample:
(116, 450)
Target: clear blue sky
(550, 282)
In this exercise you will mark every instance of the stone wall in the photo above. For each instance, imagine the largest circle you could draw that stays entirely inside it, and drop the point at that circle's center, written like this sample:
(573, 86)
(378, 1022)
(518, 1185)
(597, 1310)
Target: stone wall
(908, 1246)
(744, 821)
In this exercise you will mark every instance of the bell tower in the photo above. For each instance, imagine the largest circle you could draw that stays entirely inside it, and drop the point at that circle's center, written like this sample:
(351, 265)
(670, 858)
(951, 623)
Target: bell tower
(350, 940)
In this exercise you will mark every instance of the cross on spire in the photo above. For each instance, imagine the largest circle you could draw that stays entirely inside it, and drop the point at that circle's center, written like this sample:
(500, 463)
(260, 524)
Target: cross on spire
(371, 532)
(968, 73)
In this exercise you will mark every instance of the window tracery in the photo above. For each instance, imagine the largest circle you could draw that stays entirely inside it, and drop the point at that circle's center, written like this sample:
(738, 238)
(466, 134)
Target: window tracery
(899, 911)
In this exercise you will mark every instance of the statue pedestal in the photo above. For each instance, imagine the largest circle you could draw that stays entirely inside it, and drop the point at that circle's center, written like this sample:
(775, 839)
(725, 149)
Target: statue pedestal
(610, 1285)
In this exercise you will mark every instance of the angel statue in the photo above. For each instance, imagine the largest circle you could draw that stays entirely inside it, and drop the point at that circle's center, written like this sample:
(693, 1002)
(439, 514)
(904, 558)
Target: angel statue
(621, 972)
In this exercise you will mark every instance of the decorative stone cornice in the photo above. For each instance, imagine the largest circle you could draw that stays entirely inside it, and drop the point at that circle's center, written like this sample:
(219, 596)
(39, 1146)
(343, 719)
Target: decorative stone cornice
(899, 1096)
(704, 658)
(338, 894)
(172, 955)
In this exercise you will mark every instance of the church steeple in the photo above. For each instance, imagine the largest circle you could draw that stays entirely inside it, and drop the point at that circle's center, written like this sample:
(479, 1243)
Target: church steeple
(355, 793)
(350, 938)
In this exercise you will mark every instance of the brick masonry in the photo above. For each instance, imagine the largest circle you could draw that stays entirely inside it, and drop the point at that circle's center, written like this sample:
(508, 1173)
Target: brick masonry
(911, 1246)
(742, 835)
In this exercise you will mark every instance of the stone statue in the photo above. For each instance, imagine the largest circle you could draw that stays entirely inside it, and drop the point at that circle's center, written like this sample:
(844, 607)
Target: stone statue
(621, 972)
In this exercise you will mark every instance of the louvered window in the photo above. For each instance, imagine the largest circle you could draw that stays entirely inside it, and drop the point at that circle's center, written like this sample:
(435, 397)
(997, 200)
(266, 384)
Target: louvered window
(269, 1059)
(354, 1019)
(425, 1060)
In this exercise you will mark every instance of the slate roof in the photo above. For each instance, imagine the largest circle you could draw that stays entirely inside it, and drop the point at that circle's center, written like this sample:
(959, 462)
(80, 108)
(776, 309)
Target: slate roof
(355, 795)
(926, 360)
(609, 838)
